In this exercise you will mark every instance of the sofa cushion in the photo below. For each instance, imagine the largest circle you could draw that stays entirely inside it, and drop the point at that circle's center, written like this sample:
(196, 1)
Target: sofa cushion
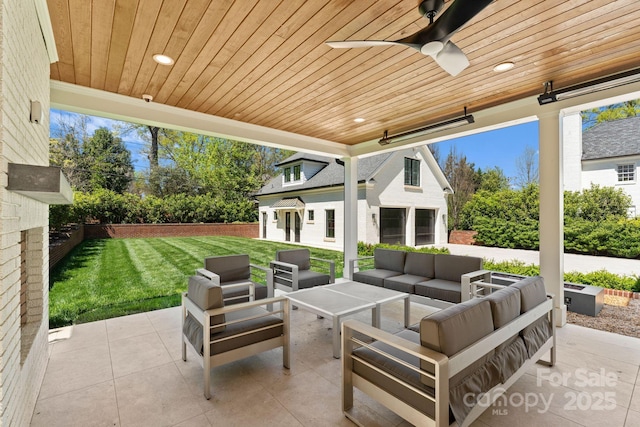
(505, 305)
(374, 277)
(389, 259)
(453, 329)
(532, 292)
(452, 267)
(403, 282)
(419, 264)
(299, 257)
(229, 267)
(444, 290)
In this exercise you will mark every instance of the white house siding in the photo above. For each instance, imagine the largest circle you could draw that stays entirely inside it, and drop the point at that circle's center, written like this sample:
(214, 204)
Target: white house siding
(572, 152)
(24, 76)
(396, 195)
(605, 174)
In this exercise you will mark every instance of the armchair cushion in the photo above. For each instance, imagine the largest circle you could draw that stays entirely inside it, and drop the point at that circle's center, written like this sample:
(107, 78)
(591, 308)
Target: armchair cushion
(299, 257)
(309, 279)
(206, 294)
(247, 331)
(230, 268)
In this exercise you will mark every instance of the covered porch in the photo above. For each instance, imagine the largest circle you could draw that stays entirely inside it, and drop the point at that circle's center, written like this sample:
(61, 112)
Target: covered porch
(128, 371)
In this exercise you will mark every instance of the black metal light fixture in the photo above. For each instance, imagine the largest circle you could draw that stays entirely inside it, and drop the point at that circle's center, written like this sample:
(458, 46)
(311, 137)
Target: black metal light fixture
(550, 95)
(448, 124)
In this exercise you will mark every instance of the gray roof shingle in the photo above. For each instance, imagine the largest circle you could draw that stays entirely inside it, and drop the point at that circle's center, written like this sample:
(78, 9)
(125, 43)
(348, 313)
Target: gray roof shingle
(330, 175)
(616, 138)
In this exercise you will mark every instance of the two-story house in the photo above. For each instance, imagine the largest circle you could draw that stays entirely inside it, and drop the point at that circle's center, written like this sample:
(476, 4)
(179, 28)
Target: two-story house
(607, 154)
(401, 200)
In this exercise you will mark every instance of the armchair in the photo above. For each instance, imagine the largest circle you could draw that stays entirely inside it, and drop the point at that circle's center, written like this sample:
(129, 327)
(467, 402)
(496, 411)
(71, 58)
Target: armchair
(234, 332)
(237, 270)
(292, 270)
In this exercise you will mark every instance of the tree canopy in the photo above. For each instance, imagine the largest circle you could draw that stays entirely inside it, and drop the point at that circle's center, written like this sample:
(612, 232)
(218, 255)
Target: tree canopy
(609, 113)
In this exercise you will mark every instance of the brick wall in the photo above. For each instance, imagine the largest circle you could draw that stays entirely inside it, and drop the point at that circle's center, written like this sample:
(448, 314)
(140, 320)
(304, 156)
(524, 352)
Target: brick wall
(59, 251)
(462, 237)
(116, 231)
(24, 76)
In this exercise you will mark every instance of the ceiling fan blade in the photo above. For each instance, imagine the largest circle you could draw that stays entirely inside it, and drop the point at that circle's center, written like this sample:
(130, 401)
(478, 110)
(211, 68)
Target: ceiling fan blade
(452, 59)
(365, 43)
(455, 17)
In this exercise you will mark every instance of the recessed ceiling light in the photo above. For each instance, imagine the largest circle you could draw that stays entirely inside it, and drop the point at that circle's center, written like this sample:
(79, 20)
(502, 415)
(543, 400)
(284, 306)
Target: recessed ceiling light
(163, 59)
(504, 66)
(358, 120)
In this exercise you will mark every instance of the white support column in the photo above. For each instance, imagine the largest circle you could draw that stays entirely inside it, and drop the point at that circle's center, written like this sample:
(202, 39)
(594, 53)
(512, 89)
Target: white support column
(552, 210)
(350, 212)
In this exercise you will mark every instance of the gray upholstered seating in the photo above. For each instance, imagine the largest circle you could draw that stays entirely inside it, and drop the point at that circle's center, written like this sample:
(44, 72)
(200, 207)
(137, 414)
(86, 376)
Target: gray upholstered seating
(292, 270)
(457, 361)
(237, 270)
(433, 276)
(233, 332)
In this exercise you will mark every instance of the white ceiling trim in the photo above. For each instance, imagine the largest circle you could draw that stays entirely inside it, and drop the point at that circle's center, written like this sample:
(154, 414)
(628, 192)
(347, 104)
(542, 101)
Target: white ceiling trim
(44, 19)
(80, 99)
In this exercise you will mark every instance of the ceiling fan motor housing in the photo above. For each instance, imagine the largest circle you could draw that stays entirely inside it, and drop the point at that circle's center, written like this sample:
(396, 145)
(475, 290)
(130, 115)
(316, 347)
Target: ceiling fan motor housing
(430, 8)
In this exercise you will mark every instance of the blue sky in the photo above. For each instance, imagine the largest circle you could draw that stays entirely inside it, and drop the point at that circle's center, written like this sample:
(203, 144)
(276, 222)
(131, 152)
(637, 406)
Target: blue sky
(499, 147)
(485, 150)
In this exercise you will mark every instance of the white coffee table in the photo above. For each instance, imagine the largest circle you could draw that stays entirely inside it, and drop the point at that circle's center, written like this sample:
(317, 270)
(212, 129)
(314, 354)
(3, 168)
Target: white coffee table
(344, 299)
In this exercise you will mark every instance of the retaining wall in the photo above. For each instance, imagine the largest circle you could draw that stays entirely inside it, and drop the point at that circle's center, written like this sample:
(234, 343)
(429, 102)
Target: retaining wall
(120, 231)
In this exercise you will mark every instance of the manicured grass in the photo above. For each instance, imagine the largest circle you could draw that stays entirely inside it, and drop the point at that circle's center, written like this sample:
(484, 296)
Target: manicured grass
(106, 278)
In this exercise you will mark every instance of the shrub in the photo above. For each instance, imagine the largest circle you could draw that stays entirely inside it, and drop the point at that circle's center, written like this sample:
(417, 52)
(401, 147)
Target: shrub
(367, 249)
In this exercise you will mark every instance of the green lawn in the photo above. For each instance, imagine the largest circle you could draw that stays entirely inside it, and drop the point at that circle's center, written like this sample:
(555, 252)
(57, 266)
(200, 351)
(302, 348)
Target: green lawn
(106, 278)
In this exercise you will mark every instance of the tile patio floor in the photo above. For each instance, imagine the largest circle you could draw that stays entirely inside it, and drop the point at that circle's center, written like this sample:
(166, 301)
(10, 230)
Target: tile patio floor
(128, 371)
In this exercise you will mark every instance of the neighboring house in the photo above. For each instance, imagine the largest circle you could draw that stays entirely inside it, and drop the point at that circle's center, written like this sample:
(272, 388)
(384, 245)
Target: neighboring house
(607, 154)
(401, 200)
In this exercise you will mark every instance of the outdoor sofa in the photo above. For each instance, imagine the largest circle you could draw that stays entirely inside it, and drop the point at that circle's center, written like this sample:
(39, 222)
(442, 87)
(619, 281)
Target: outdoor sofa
(455, 362)
(433, 276)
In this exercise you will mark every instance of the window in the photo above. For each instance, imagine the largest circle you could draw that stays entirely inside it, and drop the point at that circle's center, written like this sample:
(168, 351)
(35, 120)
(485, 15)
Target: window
(287, 174)
(296, 173)
(330, 228)
(411, 171)
(627, 173)
(425, 226)
(392, 226)
(311, 215)
(275, 215)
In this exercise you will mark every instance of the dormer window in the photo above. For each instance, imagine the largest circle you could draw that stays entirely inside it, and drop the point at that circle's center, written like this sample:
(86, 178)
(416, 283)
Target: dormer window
(292, 174)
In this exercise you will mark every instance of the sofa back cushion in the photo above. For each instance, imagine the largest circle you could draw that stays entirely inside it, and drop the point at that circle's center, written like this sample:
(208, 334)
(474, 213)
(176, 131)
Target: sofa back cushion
(206, 295)
(505, 306)
(452, 267)
(389, 259)
(229, 267)
(299, 257)
(450, 330)
(532, 292)
(419, 264)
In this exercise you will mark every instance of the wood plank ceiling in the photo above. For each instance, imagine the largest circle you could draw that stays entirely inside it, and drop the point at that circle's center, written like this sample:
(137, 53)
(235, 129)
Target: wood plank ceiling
(265, 61)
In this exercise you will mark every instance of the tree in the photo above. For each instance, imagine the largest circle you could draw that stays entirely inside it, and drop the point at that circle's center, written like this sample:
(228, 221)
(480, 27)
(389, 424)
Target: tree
(460, 175)
(492, 180)
(108, 161)
(612, 112)
(66, 149)
(527, 168)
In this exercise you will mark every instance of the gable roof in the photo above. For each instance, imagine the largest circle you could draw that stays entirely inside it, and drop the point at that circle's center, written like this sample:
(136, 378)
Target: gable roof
(330, 175)
(617, 138)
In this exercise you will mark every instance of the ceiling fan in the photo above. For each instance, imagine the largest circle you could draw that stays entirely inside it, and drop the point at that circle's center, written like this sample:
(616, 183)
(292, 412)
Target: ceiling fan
(434, 40)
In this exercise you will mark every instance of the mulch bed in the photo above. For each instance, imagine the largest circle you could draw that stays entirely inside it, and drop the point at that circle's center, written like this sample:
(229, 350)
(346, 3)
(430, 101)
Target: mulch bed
(615, 317)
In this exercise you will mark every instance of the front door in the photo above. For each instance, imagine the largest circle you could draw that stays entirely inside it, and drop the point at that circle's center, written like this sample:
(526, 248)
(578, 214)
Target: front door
(287, 226)
(297, 227)
(264, 225)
